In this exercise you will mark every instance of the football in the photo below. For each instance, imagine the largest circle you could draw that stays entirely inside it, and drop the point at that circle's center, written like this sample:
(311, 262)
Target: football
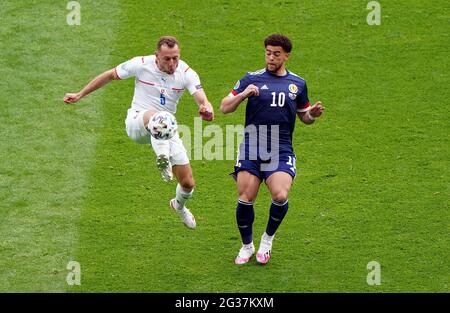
(163, 125)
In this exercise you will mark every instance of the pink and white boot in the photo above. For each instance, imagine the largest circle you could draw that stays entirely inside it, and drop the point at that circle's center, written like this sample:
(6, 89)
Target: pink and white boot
(245, 254)
(265, 249)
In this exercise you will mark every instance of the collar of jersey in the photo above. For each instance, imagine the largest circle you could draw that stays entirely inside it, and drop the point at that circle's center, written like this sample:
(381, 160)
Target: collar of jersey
(287, 74)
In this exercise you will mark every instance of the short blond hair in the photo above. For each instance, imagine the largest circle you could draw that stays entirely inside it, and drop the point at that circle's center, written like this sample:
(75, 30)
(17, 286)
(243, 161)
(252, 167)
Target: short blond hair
(169, 41)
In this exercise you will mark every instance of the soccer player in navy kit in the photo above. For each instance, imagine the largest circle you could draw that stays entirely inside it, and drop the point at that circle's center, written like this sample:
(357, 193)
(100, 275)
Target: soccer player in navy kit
(275, 97)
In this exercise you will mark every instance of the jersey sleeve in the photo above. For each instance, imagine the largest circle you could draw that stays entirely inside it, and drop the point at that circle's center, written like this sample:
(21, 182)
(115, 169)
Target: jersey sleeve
(129, 68)
(192, 81)
(240, 86)
(303, 104)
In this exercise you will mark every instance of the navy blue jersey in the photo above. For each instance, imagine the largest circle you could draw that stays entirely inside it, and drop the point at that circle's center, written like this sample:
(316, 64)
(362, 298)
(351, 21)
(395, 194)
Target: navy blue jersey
(279, 100)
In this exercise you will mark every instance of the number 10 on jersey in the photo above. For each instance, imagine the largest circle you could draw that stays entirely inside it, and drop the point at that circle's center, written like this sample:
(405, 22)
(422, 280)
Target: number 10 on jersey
(281, 99)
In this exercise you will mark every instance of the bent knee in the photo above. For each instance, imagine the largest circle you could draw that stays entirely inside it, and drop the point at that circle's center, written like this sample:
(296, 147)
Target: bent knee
(247, 197)
(188, 184)
(280, 196)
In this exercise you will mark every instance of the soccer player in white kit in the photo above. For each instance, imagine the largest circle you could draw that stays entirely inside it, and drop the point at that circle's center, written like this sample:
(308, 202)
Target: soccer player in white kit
(160, 81)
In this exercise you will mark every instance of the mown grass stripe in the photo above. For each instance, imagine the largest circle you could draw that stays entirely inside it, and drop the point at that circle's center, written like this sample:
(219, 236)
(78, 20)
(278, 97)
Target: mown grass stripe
(46, 147)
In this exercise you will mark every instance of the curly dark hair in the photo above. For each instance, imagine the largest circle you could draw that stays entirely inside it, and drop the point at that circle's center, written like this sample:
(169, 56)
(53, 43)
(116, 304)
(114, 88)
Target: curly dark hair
(279, 40)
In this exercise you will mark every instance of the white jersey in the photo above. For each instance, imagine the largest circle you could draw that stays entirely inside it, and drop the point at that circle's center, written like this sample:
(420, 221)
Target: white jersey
(155, 89)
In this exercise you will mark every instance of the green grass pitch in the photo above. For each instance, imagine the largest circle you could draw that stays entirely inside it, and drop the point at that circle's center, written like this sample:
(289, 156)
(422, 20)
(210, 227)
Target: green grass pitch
(373, 173)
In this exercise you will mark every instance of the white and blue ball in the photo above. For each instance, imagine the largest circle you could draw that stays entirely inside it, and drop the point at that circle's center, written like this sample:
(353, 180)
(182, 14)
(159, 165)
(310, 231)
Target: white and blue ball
(163, 125)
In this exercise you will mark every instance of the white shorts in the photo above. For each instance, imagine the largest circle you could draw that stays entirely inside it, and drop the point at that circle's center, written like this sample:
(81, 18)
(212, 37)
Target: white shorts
(134, 125)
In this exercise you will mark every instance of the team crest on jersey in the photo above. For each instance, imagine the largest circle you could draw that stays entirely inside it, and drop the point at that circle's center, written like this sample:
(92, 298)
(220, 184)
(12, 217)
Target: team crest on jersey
(293, 88)
(293, 96)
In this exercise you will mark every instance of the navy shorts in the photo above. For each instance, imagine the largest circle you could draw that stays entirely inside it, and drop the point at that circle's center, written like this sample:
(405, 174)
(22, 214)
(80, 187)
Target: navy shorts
(262, 169)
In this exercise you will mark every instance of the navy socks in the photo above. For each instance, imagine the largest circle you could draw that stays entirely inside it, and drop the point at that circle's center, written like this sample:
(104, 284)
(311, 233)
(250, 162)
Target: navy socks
(245, 215)
(278, 211)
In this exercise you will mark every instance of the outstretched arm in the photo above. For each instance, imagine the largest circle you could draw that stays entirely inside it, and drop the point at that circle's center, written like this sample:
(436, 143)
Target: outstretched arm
(93, 85)
(314, 112)
(230, 103)
(205, 108)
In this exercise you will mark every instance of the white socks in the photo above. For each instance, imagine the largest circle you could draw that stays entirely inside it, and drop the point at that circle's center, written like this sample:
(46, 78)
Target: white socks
(267, 237)
(182, 197)
(249, 246)
(160, 146)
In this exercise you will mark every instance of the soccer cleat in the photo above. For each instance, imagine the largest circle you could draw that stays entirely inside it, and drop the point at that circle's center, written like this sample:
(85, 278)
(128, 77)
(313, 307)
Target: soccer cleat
(264, 251)
(163, 165)
(186, 216)
(245, 254)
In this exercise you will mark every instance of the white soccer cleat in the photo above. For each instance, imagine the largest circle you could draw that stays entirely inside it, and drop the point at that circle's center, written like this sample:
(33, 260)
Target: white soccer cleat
(186, 216)
(245, 254)
(264, 251)
(163, 165)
